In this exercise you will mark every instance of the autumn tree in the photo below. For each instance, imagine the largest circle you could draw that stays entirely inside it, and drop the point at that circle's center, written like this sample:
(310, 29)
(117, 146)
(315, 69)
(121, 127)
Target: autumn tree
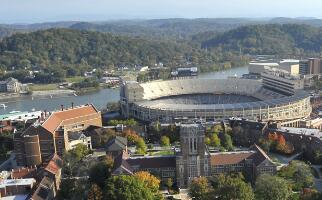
(131, 135)
(95, 193)
(149, 180)
(199, 188)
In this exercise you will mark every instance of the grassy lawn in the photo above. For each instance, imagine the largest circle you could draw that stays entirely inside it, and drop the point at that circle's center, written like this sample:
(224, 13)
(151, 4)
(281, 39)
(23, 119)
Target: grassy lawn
(162, 153)
(75, 79)
(43, 87)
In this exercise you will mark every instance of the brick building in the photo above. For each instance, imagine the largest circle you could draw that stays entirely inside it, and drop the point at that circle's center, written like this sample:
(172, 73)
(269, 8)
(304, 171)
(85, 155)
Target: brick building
(194, 160)
(49, 135)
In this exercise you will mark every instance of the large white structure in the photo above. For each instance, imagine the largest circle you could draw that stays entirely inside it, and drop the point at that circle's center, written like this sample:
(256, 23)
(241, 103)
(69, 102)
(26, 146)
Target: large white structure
(282, 81)
(211, 99)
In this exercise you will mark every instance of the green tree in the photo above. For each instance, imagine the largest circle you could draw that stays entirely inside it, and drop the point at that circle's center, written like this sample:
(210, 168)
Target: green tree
(227, 142)
(129, 188)
(165, 141)
(215, 141)
(199, 188)
(141, 147)
(101, 171)
(169, 183)
(299, 174)
(232, 187)
(80, 151)
(272, 187)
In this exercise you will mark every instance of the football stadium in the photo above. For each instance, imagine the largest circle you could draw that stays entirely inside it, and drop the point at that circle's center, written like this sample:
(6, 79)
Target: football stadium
(211, 99)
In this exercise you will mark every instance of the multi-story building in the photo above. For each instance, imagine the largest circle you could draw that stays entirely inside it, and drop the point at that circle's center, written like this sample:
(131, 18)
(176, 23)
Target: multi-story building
(49, 135)
(251, 163)
(282, 81)
(290, 65)
(194, 160)
(310, 66)
(10, 85)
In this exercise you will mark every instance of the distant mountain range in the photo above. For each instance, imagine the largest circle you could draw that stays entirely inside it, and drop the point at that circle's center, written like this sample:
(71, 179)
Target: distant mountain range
(177, 28)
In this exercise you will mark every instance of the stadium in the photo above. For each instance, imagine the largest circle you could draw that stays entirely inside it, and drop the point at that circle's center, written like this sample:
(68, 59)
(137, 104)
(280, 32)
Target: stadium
(211, 99)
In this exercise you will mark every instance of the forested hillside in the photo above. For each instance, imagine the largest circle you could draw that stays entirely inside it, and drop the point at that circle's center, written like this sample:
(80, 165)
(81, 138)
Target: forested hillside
(69, 52)
(72, 50)
(284, 39)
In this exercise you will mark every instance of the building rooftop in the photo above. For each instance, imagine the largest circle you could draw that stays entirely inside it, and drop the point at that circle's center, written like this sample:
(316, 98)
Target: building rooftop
(227, 158)
(59, 118)
(15, 197)
(14, 182)
(302, 131)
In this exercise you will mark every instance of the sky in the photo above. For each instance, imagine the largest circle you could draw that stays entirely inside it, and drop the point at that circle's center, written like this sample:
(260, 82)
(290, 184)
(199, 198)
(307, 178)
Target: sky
(35, 11)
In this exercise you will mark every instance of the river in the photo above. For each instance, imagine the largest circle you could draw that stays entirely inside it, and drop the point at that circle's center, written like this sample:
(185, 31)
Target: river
(99, 98)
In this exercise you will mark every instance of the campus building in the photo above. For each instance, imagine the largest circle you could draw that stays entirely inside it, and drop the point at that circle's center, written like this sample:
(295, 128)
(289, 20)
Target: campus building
(194, 160)
(50, 134)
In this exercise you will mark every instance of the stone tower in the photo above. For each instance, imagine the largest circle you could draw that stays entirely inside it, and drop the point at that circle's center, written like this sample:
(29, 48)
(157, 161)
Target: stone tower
(192, 161)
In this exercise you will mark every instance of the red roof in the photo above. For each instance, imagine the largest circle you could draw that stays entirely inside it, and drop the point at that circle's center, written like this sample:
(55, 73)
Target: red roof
(24, 173)
(230, 158)
(55, 164)
(59, 118)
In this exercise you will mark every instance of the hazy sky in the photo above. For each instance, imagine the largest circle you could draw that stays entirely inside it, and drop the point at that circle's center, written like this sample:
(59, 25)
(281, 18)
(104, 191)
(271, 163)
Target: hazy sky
(30, 11)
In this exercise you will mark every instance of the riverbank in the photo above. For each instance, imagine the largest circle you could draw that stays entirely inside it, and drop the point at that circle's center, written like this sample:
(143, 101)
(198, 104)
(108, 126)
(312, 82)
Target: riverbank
(53, 93)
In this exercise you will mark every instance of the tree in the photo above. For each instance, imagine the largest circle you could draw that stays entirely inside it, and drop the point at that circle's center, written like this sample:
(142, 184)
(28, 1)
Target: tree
(95, 193)
(272, 187)
(80, 151)
(199, 188)
(141, 147)
(131, 135)
(129, 188)
(207, 141)
(169, 183)
(215, 141)
(101, 171)
(232, 187)
(299, 174)
(227, 142)
(165, 141)
(149, 180)
(218, 128)
(66, 189)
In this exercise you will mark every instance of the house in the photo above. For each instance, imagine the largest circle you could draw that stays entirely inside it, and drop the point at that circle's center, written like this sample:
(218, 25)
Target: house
(11, 85)
(53, 170)
(116, 146)
(49, 135)
(79, 137)
(24, 172)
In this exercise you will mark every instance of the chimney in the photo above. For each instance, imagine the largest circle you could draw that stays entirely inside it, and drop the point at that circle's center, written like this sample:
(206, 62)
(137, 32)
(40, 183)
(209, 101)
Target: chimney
(62, 107)
(72, 105)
